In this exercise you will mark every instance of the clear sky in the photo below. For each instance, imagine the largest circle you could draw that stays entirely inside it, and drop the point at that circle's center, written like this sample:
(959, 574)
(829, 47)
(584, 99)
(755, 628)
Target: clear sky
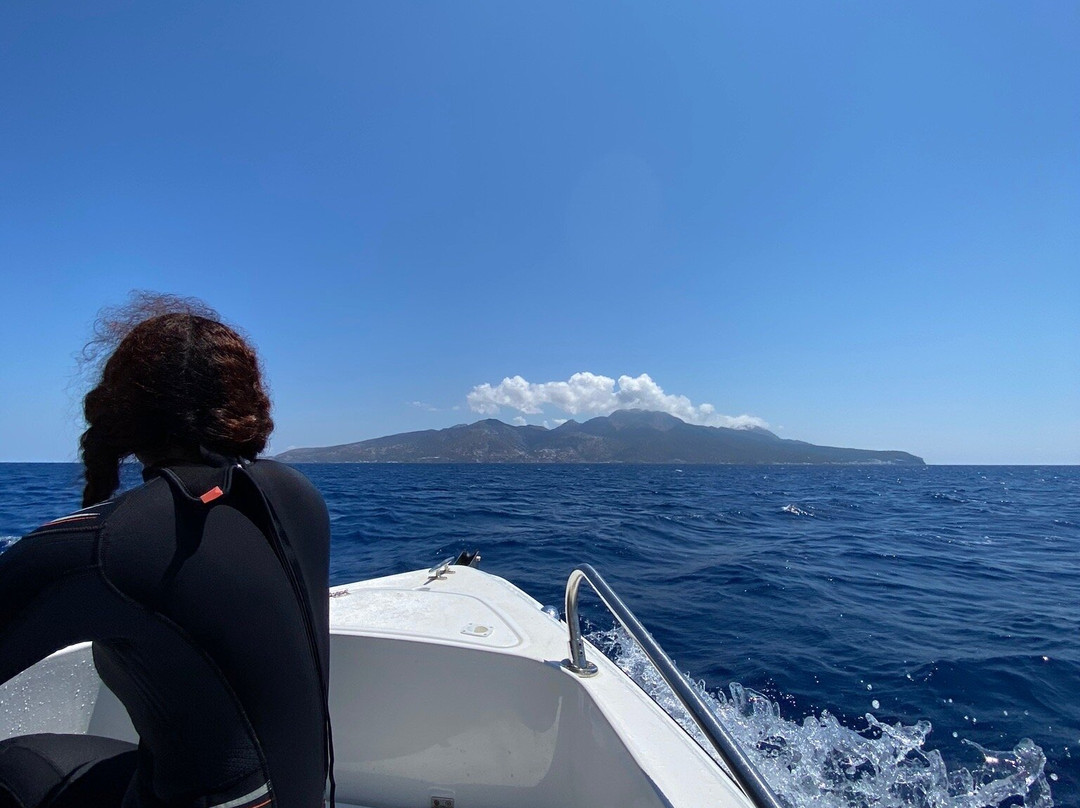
(858, 223)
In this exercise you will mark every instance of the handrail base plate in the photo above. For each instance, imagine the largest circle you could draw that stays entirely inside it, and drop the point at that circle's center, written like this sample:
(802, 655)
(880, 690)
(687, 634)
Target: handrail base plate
(586, 672)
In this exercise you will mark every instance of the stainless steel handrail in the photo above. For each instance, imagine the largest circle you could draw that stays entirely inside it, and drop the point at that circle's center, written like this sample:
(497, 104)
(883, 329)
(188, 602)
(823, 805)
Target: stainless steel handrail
(744, 773)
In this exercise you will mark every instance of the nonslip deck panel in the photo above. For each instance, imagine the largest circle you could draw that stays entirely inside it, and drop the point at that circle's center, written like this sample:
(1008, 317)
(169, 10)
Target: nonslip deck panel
(425, 613)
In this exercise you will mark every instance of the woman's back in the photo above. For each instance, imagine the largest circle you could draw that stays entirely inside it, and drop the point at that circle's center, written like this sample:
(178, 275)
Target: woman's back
(195, 626)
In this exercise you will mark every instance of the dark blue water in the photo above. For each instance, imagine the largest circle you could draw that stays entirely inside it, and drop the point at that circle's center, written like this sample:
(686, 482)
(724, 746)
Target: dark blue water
(946, 594)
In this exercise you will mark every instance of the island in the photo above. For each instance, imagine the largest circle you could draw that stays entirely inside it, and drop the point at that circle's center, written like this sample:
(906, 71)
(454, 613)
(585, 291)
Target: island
(625, 436)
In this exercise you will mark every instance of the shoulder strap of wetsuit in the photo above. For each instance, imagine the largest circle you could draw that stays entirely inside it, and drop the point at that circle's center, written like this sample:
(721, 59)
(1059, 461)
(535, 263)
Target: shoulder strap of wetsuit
(279, 542)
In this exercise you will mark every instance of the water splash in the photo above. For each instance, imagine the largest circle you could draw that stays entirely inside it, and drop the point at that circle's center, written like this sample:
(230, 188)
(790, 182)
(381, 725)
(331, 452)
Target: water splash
(795, 510)
(822, 764)
(7, 541)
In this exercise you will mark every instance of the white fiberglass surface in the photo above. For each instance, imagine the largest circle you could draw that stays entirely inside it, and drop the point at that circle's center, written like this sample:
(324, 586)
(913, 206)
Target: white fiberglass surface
(62, 694)
(424, 613)
(412, 720)
(480, 672)
(56, 695)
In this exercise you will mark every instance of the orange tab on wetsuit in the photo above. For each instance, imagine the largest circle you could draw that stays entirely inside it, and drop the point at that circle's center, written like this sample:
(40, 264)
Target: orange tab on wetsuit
(211, 495)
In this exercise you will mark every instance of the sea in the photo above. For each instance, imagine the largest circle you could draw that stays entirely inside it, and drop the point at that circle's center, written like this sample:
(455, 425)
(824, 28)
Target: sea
(875, 635)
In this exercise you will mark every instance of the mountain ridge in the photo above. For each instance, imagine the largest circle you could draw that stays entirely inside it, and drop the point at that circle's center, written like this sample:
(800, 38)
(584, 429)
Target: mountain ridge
(624, 436)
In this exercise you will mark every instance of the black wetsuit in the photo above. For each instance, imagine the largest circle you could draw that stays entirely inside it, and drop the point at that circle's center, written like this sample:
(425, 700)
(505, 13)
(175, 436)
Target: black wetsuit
(197, 629)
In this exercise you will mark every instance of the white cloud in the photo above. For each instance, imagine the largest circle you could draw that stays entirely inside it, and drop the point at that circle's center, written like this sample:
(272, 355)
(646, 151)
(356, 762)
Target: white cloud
(592, 394)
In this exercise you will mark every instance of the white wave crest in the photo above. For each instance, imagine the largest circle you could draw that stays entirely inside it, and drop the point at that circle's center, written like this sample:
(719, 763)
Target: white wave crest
(823, 764)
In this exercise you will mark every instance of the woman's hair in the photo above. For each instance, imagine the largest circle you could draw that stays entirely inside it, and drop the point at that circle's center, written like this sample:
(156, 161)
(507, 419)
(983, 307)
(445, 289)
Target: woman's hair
(174, 376)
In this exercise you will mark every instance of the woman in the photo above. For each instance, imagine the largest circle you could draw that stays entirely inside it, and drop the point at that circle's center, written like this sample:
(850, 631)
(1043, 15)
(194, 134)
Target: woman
(204, 590)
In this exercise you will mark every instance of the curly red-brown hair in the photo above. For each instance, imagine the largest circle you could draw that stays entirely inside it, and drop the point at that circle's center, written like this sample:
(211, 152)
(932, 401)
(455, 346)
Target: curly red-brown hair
(177, 378)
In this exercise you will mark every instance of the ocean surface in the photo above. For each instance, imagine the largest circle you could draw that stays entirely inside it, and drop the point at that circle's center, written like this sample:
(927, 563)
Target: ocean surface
(880, 635)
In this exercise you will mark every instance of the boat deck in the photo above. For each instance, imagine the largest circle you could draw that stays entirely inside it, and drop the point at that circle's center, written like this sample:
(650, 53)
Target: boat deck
(446, 692)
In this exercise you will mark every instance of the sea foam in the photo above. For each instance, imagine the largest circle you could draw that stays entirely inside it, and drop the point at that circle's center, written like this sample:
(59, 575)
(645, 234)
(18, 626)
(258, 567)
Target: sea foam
(820, 763)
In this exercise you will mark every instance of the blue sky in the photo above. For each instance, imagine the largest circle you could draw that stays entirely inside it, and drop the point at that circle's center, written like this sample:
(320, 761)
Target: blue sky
(856, 222)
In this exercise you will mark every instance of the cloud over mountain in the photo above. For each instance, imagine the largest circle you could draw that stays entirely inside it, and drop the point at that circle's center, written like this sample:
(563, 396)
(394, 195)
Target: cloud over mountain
(593, 394)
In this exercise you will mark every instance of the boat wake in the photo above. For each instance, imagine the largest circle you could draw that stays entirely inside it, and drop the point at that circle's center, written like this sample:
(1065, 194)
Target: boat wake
(7, 541)
(822, 764)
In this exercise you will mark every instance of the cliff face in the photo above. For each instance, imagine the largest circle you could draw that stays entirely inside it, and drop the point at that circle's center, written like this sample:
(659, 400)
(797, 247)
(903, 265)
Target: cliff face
(626, 436)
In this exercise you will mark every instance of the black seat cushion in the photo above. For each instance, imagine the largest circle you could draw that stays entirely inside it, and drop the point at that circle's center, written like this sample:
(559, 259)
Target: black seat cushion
(64, 771)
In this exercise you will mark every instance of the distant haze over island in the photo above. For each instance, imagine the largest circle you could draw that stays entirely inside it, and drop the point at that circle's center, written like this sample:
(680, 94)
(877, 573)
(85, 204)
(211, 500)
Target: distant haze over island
(625, 436)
